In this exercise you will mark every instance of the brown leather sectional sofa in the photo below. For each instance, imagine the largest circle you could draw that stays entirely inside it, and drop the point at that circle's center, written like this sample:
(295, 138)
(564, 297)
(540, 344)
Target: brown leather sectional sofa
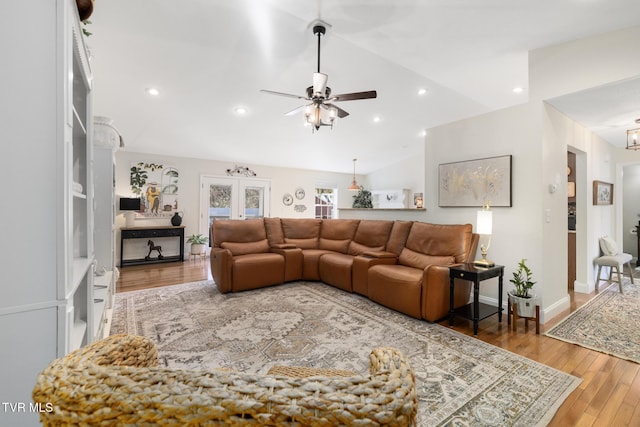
(403, 265)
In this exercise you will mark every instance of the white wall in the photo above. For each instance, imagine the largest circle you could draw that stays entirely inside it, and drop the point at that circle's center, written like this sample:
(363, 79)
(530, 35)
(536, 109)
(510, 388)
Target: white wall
(408, 173)
(535, 227)
(517, 230)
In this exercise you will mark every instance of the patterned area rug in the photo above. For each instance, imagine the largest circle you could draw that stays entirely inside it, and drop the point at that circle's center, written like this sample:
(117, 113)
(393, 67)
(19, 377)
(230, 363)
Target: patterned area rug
(461, 381)
(608, 323)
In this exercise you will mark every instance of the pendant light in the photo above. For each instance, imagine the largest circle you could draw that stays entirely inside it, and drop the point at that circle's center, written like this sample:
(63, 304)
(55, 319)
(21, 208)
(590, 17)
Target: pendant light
(632, 138)
(354, 184)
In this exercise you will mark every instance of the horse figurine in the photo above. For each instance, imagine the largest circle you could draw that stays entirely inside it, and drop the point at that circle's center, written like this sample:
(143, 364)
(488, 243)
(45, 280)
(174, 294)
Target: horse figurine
(153, 247)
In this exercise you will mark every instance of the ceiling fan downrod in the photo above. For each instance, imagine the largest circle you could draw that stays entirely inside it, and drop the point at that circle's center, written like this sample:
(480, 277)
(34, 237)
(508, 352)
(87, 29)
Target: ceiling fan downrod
(319, 31)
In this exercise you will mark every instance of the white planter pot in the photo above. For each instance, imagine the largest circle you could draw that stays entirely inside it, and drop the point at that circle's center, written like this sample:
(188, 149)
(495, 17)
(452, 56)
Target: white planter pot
(198, 248)
(526, 306)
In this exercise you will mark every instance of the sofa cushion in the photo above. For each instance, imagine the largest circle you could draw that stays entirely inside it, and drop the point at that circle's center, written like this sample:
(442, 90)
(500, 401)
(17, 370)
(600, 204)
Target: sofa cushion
(335, 269)
(334, 245)
(302, 232)
(438, 239)
(398, 236)
(231, 230)
(236, 248)
(273, 227)
(336, 234)
(418, 260)
(371, 235)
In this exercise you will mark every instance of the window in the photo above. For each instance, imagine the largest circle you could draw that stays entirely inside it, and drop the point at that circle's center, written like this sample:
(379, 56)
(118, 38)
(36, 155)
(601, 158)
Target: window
(326, 203)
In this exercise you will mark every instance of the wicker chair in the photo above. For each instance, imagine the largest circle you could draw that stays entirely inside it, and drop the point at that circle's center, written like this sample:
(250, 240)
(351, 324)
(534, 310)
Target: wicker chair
(116, 381)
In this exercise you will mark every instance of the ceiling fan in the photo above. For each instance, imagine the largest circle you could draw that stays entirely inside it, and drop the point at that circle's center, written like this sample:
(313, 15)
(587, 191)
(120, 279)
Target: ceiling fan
(321, 110)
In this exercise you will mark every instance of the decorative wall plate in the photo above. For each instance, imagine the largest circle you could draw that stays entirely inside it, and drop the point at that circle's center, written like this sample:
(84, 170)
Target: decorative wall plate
(300, 193)
(287, 199)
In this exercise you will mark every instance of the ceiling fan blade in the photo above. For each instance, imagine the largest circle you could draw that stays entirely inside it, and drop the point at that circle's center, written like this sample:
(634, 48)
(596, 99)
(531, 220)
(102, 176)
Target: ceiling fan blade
(271, 92)
(297, 110)
(341, 113)
(354, 96)
(319, 84)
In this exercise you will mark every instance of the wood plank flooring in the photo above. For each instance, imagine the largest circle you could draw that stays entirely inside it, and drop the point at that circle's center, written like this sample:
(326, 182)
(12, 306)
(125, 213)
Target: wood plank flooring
(609, 394)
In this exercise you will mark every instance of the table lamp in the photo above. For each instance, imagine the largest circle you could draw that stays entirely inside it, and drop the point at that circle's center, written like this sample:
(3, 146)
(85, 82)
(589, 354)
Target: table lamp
(484, 223)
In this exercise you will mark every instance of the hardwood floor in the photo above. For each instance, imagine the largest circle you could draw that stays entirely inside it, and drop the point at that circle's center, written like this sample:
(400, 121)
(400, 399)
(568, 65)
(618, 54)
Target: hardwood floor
(609, 394)
(134, 278)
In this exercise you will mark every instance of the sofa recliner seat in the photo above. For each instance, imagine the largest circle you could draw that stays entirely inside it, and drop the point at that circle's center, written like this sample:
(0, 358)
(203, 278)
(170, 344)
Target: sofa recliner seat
(417, 284)
(240, 251)
(337, 268)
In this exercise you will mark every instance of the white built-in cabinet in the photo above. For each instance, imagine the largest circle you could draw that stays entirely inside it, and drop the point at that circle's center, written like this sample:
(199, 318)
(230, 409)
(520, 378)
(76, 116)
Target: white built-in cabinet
(106, 141)
(47, 290)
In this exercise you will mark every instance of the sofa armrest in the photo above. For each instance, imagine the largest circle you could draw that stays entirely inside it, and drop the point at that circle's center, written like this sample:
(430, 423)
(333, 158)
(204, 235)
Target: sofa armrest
(283, 246)
(221, 263)
(379, 254)
(292, 261)
(435, 292)
(360, 270)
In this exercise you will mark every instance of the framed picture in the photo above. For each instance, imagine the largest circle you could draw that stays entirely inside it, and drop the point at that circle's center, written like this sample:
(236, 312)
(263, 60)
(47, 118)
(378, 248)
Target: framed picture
(602, 193)
(474, 183)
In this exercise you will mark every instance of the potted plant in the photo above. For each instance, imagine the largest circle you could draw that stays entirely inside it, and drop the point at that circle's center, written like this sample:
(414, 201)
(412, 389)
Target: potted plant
(198, 243)
(522, 279)
(362, 199)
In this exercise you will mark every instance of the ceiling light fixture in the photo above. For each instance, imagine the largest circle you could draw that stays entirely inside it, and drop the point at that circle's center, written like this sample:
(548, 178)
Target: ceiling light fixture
(422, 91)
(376, 119)
(321, 111)
(152, 91)
(240, 110)
(632, 138)
(518, 89)
(354, 184)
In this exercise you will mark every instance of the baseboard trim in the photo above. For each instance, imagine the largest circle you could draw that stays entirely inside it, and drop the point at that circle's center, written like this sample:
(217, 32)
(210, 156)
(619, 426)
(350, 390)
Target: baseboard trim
(582, 288)
(545, 313)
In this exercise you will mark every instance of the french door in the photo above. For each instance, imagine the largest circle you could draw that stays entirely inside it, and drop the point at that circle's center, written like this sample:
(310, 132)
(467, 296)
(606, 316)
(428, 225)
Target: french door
(233, 198)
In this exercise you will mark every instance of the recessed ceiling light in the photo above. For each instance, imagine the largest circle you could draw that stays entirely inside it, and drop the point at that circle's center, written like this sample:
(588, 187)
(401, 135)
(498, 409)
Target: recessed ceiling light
(153, 91)
(422, 91)
(423, 133)
(376, 119)
(518, 89)
(240, 110)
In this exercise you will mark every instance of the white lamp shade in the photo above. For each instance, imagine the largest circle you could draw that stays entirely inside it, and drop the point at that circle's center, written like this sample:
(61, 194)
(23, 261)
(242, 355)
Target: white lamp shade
(484, 222)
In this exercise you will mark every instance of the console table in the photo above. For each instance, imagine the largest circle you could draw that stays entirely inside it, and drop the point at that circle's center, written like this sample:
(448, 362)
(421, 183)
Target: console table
(151, 233)
(476, 310)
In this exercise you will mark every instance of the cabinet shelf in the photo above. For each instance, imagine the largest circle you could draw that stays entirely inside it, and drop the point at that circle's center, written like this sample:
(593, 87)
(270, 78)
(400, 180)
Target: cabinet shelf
(78, 332)
(102, 294)
(81, 267)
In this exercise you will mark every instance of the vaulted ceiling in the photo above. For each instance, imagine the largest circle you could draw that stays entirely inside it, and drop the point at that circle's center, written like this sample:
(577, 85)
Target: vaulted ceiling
(208, 57)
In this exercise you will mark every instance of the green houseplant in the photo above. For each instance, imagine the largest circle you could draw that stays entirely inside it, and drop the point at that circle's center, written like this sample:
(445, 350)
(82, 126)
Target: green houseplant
(362, 199)
(522, 280)
(198, 243)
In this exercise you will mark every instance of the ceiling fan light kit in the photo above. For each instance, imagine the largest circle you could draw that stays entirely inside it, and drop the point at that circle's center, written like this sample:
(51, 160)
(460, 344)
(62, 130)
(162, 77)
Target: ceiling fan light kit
(632, 138)
(321, 111)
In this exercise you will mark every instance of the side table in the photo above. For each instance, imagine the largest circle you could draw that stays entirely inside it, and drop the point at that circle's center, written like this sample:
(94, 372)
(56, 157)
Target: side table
(475, 310)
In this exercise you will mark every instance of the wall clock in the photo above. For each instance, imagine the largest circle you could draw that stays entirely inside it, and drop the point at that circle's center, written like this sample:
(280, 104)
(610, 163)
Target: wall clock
(300, 193)
(287, 199)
